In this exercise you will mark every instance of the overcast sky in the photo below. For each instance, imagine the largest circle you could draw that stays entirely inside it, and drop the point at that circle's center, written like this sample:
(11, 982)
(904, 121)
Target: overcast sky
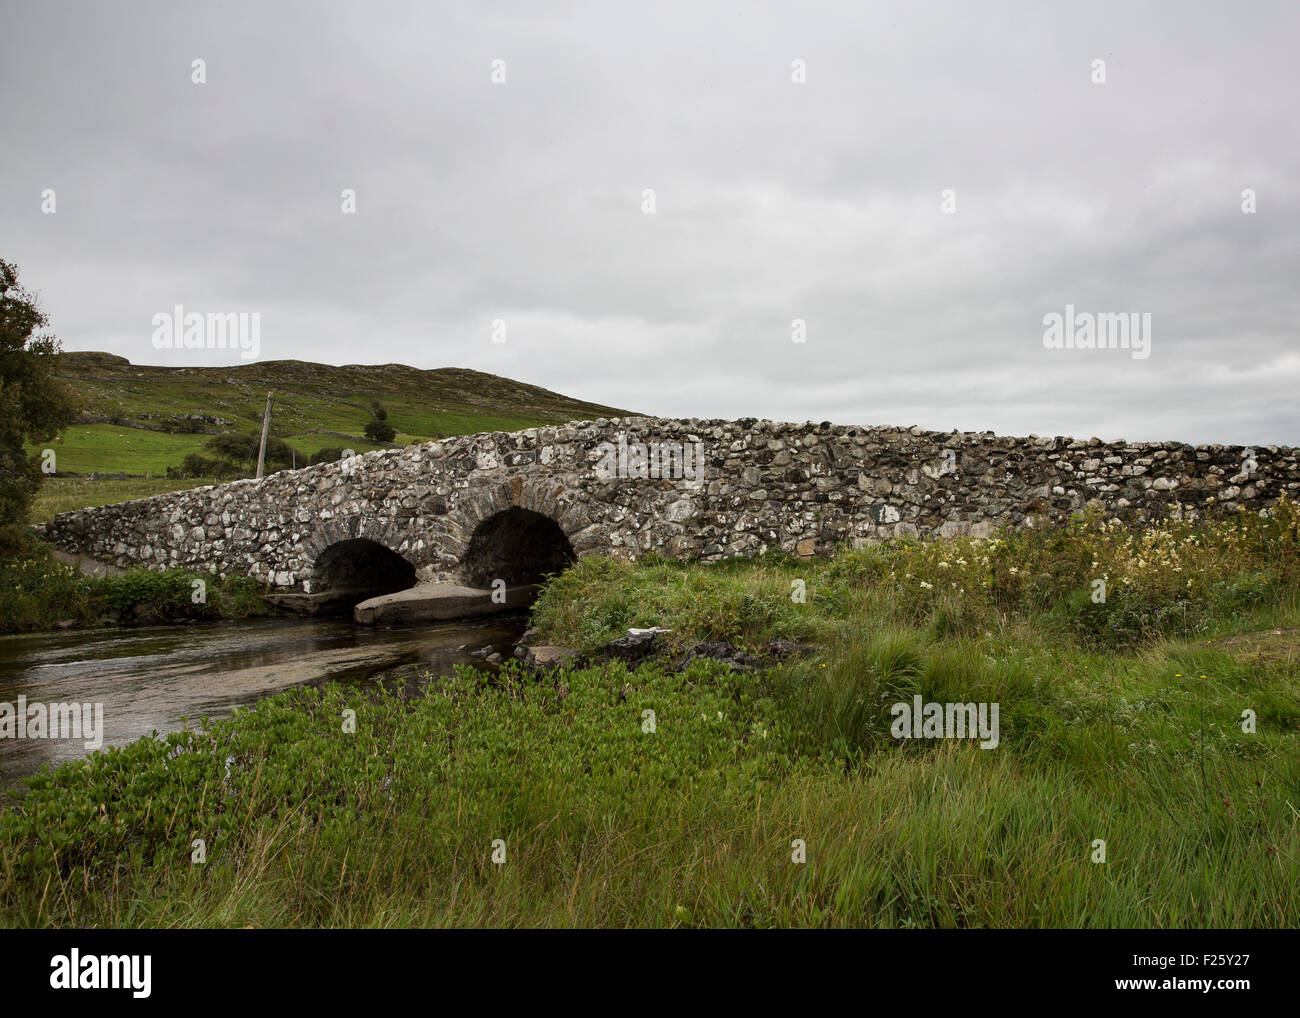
(774, 200)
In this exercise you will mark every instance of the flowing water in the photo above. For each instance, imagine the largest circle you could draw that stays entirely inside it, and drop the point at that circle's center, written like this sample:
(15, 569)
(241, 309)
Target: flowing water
(150, 678)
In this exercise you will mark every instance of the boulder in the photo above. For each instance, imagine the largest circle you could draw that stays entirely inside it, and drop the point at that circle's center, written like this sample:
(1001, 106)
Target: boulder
(547, 657)
(636, 646)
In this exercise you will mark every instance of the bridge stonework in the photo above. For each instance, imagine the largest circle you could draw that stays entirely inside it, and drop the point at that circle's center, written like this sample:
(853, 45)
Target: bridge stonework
(802, 487)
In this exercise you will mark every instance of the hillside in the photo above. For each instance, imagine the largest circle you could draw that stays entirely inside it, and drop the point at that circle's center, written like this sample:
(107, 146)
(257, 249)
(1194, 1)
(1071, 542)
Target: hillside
(141, 419)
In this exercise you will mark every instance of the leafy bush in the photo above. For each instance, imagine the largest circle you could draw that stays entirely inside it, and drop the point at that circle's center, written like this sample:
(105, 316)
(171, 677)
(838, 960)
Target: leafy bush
(37, 592)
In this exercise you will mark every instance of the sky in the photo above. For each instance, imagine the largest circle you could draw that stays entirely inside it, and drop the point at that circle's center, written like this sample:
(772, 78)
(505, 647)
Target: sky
(636, 204)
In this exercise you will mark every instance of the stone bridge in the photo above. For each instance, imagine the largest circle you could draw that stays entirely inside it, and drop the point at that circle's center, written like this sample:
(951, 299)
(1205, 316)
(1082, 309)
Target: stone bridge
(477, 508)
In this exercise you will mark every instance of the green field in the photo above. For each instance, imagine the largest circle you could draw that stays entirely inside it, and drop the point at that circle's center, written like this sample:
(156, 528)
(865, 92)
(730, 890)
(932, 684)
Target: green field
(1145, 774)
(64, 494)
(108, 448)
(315, 405)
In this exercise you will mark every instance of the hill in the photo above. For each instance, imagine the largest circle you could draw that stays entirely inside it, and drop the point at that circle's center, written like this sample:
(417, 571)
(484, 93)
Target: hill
(141, 419)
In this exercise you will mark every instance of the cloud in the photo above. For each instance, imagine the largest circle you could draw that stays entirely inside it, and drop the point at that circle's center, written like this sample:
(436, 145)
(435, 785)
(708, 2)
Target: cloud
(775, 201)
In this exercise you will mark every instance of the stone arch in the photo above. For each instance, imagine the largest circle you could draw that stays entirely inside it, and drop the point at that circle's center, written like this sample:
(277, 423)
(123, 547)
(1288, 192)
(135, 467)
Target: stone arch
(391, 534)
(498, 524)
(519, 546)
(360, 564)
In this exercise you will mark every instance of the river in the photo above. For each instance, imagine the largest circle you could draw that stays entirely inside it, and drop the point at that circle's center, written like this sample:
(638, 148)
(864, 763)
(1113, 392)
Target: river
(149, 678)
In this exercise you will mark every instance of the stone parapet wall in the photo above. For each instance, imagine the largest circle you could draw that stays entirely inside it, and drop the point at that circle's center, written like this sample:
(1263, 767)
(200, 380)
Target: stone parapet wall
(801, 487)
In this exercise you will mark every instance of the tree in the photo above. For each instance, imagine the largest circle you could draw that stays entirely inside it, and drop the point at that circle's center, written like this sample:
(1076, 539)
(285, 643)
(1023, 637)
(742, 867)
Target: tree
(34, 405)
(380, 431)
(230, 454)
(240, 451)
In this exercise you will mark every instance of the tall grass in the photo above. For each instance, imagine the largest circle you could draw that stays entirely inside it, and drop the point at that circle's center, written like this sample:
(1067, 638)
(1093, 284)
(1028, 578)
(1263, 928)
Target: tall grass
(1094, 582)
(1138, 741)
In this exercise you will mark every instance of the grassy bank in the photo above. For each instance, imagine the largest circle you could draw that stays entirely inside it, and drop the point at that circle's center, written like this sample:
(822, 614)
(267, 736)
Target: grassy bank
(38, 593)
(1121, 721)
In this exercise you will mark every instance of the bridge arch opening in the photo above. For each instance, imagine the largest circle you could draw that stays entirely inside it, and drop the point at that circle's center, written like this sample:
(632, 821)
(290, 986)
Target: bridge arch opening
(358, 569)
(518, 546)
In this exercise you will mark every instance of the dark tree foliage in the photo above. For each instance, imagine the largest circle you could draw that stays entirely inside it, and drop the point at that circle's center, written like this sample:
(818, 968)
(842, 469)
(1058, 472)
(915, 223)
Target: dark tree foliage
(34, 405)
(240, 450)
(380, 431)
(196, 465)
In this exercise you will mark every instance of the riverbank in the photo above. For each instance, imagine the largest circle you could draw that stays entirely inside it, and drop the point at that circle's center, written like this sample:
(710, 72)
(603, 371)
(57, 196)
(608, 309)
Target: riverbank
(1143, 772)
(39, 593)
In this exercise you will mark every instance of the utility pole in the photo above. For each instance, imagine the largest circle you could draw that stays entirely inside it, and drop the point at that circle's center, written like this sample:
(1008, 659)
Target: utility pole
(266, 427)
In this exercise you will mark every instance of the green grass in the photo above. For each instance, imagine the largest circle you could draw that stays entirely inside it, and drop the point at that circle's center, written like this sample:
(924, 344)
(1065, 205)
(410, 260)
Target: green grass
(1180, 579)
(605, 824)
(107, 448)
(1124, 729)
(64, 494)
(87, 448)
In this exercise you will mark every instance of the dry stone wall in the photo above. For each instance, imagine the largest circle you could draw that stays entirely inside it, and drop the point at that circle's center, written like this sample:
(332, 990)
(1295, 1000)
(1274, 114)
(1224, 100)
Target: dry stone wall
(802, 487)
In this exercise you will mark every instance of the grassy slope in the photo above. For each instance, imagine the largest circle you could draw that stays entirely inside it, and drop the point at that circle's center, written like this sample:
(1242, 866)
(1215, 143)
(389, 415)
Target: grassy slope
(1119, 722)
(311, 398)
(316, 405)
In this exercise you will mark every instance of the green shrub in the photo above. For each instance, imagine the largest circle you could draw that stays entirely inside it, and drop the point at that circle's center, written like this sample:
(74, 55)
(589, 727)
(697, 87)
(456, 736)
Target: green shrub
(37, 592)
